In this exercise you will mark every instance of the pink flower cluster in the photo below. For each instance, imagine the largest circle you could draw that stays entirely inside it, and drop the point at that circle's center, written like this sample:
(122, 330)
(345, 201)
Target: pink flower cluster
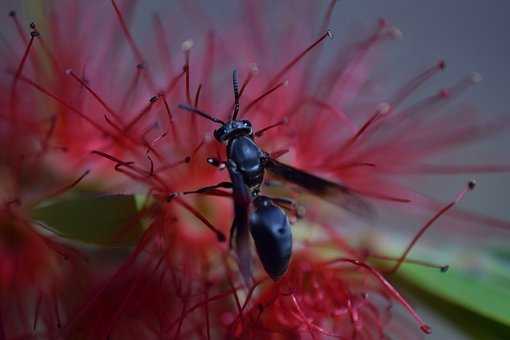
(85, 97)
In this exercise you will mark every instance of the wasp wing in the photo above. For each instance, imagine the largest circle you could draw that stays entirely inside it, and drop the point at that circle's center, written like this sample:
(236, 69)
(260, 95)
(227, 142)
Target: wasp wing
(332, 192)
(240, 231)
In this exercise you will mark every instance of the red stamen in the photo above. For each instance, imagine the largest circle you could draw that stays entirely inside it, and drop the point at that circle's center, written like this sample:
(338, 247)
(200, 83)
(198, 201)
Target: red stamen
(161, 40)
(135, 172)
(197, 95)
(206, 311)
(127, 34)
(49, 54)
(278, 153)
(327, 16)
(325, 106)
(45, 142)
(253, 71)
(19, 28)
(343, 74)
(150, 128)
(55, 306)
(382, 110)
(294, 61)
(211, 192)
(354, 165)
(110, 157)
(160, 137)
(310, 66)
(181, 318)
(408, 89)
(438, 169)
(254, 14)
(185, 160)
(112, 124)
(139, 116)
(229, 279)
(129, 92)
(173, 83)
(11, 203)
(66, 188)
(145, 176)
(198, 147)
(141, 246)
(310, 325)
(130, 172)
(423, 326)
(118, 309)
(167, 108)
(186, 47)
(151, 171)
(380, 196)
(262, 96)
(259, 133)
(248, 299)
(126, 164)
(67, 106)
(92, 92)
(199, 304)
(470, 186)
(19, 70)
(134, 48)
(427, 105)
(37, 309)
(442, 268)
(7, 49)
(170, 117)
(209, 58)
(462, 85)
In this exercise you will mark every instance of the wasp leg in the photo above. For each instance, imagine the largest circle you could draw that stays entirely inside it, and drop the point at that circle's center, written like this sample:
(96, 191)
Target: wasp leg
(212, 189)
(226, 185)
(240, 230)
(288, 204)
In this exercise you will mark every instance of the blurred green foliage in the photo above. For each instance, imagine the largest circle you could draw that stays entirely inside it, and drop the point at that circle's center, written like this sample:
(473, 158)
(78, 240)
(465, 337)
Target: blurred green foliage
(100, 220)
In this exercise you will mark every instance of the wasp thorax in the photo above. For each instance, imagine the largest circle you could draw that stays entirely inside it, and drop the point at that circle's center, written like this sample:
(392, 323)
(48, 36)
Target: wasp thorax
(233, 129)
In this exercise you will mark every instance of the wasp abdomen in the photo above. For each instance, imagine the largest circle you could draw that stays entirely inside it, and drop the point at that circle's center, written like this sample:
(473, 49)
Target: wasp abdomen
(270, 229)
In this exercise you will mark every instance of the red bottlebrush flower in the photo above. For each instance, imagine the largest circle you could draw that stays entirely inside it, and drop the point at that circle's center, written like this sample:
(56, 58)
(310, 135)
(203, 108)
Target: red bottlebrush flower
(340, 298)
(160, 291)
(82, 82)
(39, 279)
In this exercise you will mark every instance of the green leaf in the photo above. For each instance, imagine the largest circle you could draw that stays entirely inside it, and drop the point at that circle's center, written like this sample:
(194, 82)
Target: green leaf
(477, 292)
(99, 220)
(472, 325)
(474, 294)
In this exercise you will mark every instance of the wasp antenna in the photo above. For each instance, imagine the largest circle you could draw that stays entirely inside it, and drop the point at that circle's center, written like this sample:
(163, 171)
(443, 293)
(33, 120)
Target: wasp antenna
(235, 83)
(201, 113)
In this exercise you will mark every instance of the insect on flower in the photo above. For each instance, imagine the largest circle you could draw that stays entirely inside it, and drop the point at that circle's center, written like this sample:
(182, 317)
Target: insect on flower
(267, 222)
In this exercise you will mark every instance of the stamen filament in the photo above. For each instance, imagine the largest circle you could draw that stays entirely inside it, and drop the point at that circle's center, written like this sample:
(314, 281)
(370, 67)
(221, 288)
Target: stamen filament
(470, 186)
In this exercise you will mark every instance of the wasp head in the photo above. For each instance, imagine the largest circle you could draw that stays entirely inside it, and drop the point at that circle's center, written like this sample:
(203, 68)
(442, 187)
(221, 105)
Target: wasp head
(233, 129)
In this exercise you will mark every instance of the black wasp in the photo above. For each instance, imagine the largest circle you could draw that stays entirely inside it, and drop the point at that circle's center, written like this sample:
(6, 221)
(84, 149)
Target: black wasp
(256, 214)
